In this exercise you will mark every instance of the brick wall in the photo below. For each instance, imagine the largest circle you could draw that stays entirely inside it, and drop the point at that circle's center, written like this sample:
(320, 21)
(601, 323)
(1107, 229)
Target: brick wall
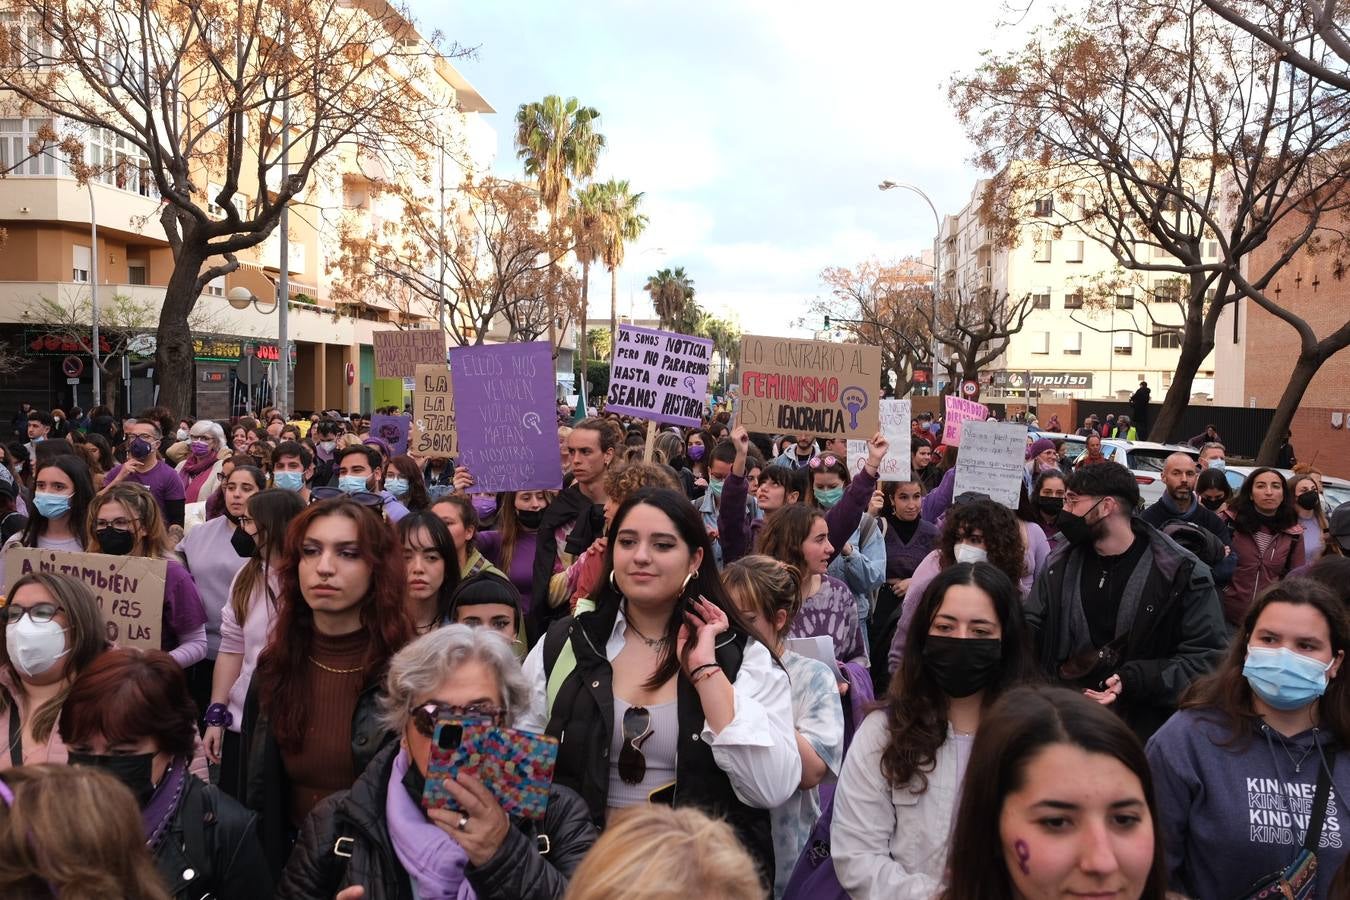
(1316, 442)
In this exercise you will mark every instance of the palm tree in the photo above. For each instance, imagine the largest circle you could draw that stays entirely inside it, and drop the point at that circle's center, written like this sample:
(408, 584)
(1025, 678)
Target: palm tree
(557, 141)
(622, 224)
(672, 293)
(586, 221)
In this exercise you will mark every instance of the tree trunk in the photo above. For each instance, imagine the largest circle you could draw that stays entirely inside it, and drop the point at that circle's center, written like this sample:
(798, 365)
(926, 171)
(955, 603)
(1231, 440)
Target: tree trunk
(613, 309)
(173, 357)
(1194, 349)
(1304, 372)
(584, 369)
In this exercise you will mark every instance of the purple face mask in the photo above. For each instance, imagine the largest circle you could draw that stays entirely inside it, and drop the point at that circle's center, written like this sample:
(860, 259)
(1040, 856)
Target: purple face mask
(696, 452)
(485, 505)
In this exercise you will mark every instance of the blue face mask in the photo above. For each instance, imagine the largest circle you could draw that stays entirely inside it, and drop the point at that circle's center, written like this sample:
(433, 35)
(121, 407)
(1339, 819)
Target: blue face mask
(1285, 679)
(289, 481)
(350, 484)
(51, 505)
(828, 497)
(396, 485)
(715, 487)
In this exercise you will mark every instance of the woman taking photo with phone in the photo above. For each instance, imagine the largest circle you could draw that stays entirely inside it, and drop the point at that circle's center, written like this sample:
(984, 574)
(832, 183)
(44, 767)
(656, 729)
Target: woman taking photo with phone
(666, 699)
(53, 629)
(898, 790)
(1267, 738)
(124, 520)
(311, 708)
(392, 844)
(245, 628)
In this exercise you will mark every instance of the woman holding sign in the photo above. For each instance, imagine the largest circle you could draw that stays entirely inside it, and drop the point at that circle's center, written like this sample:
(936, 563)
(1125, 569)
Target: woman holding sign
(62, 492)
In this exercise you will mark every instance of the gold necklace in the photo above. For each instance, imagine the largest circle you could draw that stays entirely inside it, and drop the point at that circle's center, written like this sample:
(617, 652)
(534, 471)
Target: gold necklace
(333, 670)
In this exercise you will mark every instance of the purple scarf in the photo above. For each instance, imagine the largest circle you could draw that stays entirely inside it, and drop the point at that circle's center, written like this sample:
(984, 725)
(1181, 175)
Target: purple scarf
(164, 802)
(432, 859)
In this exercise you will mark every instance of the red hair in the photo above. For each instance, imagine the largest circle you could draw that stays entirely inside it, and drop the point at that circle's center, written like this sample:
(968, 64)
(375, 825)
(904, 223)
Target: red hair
(128, 694)
(384, 614)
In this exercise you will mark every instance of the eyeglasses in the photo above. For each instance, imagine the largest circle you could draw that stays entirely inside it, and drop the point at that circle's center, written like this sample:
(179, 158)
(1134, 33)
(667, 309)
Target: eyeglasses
(121, 524)
(637, 727)
(425, 715)
(328, 492)
(40, 613)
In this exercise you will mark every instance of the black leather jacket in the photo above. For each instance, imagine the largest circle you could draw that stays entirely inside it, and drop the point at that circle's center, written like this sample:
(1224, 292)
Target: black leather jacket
(346, 842)
(211, 848)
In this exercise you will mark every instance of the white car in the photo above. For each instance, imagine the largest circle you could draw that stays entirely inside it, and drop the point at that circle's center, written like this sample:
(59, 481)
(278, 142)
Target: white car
(1335, 491)
(1145, 459)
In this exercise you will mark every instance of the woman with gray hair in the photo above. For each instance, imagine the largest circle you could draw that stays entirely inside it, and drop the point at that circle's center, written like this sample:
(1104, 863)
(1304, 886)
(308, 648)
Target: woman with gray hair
(200, 469)
(378, 835)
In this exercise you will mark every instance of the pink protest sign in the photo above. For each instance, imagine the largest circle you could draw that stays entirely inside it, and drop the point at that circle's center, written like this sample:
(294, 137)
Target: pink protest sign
(959, 410)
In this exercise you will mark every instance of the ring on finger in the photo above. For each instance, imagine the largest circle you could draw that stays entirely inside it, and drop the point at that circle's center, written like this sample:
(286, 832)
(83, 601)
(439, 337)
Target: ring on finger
(463, 823)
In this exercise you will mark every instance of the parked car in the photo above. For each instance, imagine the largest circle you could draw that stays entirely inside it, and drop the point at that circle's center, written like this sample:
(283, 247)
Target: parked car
(1144, 459)
(1335, 491)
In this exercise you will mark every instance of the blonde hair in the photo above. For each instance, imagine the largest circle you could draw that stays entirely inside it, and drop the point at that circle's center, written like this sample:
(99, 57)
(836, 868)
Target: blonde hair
(659, 853)
(767, 584)
(153, 541)
(73, 832)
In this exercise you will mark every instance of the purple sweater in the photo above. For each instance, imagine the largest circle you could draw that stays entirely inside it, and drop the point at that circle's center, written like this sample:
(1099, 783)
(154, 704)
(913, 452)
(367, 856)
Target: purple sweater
(521, 574)
(737, 533)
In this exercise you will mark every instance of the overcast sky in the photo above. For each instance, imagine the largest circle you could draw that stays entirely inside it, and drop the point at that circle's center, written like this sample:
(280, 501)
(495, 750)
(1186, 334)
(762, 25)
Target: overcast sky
(758, 129)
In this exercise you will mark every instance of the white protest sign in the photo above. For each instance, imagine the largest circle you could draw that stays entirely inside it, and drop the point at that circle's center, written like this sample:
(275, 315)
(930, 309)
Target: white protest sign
(895, 427)
(992, 460)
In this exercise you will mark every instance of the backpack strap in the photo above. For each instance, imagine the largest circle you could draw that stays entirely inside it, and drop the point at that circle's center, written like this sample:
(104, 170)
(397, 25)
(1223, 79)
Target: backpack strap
(560, 661)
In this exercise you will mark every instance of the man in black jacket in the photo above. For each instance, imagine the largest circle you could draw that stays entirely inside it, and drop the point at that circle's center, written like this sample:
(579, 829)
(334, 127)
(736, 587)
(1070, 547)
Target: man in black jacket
(1120, 610)
(1139, 409)
(1179, 502)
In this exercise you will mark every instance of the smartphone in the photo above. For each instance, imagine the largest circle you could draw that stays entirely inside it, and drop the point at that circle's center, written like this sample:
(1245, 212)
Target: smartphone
(453, 750)
(518, 769)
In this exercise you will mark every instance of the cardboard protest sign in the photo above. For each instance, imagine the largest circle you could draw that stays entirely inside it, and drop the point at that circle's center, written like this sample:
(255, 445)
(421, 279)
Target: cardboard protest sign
(399, 353)
(506, 415)
(659, 376)
(393, 430)
(793, 386)
(894, 415)
(433, 427)
(956, 413)
(129, 589)
(992, 460)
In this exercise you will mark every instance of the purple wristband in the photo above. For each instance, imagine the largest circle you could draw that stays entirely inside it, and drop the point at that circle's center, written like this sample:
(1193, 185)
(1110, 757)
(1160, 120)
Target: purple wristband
(218, 714)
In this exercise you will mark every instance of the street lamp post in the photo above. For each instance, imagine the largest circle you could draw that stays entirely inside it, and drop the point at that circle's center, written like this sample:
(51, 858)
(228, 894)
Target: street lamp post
(887, 185)
(93, 292)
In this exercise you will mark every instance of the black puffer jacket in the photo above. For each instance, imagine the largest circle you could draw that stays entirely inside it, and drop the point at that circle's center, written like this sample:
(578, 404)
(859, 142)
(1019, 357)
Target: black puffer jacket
(211, 848)
(346, 842)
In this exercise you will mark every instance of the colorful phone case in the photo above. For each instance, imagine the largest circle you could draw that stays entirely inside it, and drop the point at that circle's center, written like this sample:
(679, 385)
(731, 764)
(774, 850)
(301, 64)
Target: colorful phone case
(444, 764)
(518, 766)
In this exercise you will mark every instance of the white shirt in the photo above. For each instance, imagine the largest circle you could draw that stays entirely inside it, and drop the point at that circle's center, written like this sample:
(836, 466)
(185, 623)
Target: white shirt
(758, 747)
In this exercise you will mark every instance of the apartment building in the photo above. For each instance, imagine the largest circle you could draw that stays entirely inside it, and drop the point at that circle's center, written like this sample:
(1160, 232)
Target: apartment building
(1093, 329)
(50, 253)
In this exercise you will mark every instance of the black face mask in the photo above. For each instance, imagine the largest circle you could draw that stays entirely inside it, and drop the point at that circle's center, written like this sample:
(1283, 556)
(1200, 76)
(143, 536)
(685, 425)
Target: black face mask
(962, 666)
(1051, 506)
(1211, 502)
(1308, 500)
(530, 518)
(1075, 528)
(114, 541)
(133, 771)
(243, 543)
(414, 782)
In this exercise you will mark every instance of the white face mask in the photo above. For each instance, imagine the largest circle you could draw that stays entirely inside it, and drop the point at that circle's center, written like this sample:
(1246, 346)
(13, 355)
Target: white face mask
(182, 434)
(35, 647)
(969, 553)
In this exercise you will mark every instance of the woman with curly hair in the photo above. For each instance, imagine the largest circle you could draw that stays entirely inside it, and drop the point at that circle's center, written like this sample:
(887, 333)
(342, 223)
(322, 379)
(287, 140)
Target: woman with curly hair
(311, 710)
(979, 531)
(901, 779)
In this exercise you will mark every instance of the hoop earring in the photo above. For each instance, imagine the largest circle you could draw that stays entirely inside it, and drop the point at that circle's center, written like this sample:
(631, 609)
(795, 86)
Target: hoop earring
(612, 583)
(688, 578)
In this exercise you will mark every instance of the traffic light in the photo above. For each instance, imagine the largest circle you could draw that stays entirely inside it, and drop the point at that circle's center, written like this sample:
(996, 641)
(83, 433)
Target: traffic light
(827, 323)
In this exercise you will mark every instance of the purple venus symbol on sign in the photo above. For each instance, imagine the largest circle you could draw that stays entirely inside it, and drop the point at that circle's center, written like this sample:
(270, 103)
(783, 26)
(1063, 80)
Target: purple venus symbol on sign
(689, 383)
(853, 399)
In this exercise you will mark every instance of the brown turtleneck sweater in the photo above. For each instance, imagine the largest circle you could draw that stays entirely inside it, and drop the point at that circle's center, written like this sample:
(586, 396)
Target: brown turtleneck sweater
(323, 765)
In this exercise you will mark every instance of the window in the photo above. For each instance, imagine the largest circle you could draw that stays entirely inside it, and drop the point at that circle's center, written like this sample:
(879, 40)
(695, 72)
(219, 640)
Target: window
(1074, 300)
(81, 262)
(1168, 339)
(213, 209)
(1123, 343)
(1212, 249)
(1040, 343)
(23, 152)
(1074, 251)
(1045, 207)
(1043, 251)
(216, 287)
(1124, 301)
(119, 163)
(31, 45)
(136, 271)
(1041, 299)
(1159, 252)
(1073, 343)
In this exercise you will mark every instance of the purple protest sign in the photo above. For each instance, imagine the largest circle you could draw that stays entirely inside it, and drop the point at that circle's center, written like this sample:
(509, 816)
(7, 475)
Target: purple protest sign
(505, 415)
(659, 376)
(393, 430)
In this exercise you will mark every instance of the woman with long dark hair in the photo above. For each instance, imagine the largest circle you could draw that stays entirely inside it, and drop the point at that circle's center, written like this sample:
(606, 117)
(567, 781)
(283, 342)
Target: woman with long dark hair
(432, 569)
(898, 788)
(62, 492)
(1238, 769)
(403, 479)
(661, 696)
(311, 709)
(510, 546)
(1058, 803)
(1267, 540)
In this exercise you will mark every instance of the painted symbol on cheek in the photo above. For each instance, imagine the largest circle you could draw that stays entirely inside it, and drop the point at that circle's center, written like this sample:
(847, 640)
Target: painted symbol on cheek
(1023, 855)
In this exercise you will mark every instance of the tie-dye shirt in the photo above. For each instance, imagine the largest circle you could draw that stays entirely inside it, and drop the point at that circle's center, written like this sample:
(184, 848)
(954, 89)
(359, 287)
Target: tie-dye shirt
(832, 610)
(818, 716)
